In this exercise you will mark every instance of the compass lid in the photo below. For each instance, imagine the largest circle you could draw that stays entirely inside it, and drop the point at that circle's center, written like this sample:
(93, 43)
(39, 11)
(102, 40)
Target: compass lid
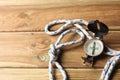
(97, 27)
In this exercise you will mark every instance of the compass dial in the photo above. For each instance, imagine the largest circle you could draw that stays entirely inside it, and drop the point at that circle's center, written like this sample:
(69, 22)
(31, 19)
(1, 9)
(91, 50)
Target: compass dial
(94, 47)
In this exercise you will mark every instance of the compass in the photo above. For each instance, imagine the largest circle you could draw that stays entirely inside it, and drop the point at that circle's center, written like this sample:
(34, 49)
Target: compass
(93, 47)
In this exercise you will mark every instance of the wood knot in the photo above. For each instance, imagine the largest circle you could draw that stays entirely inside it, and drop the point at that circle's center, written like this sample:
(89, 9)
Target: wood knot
(44, 58)
(23, 15)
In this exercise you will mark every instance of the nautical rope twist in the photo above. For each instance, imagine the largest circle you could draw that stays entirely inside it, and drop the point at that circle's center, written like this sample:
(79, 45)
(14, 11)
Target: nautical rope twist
(52, 53)
(55, 49)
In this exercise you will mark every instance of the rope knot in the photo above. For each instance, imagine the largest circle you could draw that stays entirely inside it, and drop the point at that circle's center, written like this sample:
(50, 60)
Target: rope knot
(53, 53)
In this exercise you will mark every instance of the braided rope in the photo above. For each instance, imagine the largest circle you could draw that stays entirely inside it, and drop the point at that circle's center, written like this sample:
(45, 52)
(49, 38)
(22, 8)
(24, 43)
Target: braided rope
(55, 49)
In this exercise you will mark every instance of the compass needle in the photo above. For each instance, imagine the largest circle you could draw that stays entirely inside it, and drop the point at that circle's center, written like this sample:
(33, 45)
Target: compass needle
(94, 48)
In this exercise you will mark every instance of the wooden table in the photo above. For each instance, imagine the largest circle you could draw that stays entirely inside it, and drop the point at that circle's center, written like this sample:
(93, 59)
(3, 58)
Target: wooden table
(24, 45)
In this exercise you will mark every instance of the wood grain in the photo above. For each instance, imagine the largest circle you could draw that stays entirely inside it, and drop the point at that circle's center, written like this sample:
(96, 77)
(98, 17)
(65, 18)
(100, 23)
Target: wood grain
(46, 3)
(42, 74)
(29, 49)
(24, 45)
(33, 18)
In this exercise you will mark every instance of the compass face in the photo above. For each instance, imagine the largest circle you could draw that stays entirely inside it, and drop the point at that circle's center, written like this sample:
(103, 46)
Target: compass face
(93, 47)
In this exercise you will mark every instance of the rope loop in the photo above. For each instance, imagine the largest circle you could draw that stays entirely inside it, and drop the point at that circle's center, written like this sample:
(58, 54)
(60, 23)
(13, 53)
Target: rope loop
(65, 22)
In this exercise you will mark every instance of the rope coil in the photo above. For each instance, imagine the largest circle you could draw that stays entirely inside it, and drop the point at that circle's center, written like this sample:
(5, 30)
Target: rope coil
(54, 49)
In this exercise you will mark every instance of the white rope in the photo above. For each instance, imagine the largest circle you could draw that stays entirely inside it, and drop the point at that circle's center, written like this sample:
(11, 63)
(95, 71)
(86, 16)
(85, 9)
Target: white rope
(55, 49)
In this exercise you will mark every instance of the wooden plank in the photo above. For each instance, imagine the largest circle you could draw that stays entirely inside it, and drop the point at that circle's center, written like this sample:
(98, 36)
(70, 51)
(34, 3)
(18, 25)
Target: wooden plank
(42, 74)
(29, 49)
(33, 18)
(56, 2)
